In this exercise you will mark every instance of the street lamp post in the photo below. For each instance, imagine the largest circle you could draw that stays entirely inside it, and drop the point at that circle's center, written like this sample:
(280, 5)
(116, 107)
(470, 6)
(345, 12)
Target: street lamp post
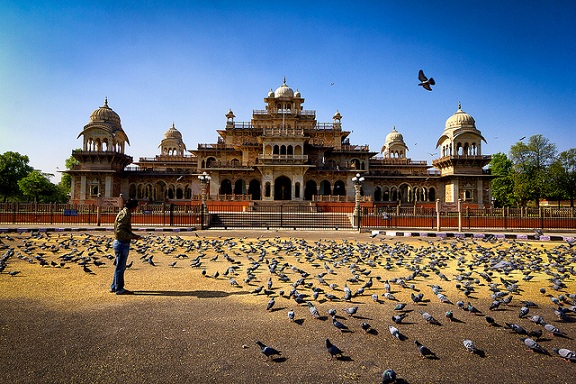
(357, 180)
(204, 180)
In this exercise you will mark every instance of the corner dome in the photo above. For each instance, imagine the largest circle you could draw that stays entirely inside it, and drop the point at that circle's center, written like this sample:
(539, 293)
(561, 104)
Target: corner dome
(271, 93)
(173, 133)
(284, 91)
(460, 119)
(105, 114)
(394, 137)
(297, 94)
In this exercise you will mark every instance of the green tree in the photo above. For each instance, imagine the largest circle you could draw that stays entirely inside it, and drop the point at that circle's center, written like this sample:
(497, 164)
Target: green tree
(502, 169)
(13, 167)
(563, 176)
(531, 163)
(37, 186)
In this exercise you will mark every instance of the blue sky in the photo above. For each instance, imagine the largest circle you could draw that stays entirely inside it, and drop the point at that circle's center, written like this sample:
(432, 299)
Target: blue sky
(510, 63)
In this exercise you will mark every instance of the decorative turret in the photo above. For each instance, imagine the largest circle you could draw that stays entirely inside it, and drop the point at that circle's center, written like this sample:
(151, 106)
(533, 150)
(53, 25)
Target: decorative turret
(104, 131)
(172, 144)
(394, 147)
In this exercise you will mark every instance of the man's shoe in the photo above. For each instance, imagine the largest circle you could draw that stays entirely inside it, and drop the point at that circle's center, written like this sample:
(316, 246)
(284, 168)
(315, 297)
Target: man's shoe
(124, 292)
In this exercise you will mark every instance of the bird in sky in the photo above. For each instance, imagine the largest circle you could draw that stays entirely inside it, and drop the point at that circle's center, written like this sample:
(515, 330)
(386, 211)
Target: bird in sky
(425, 82)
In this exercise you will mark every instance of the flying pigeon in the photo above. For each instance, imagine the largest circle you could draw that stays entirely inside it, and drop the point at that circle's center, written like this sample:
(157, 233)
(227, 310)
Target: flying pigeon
(425, 82)
(266, 350)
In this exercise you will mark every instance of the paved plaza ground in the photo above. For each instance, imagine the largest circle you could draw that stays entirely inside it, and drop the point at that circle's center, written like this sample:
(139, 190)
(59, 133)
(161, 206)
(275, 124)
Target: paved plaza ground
(189, 322)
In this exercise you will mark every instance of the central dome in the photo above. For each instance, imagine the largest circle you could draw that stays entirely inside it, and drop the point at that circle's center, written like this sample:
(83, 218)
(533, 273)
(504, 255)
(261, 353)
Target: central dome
(460, 119)
(284, 91)
(105, 114)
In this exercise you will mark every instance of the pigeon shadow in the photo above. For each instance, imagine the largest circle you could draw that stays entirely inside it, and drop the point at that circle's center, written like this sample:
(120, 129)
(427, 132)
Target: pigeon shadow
(344, 358)
(480, 353)
(201, 294)
(277, 309)
(372, 331)
(455, 320)
(279, 359)
(299, 321)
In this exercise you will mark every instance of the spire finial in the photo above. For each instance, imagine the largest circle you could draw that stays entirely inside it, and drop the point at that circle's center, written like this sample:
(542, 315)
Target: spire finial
(459, 105)
(106, 102)
(173, 125)
(284, 79)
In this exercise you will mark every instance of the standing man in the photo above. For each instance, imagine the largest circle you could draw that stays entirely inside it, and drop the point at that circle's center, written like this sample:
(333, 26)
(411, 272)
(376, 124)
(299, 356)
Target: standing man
(122, 235)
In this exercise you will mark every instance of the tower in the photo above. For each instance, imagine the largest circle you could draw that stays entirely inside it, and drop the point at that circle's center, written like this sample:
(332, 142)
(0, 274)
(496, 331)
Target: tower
(102, 158)
(461, 160)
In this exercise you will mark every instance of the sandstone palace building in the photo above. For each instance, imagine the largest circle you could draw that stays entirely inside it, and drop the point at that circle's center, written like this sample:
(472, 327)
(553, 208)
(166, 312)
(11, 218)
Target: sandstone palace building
(282, 155)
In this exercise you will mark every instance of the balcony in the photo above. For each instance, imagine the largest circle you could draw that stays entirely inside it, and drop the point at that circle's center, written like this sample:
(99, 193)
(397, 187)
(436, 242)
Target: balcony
(283, 132)
(270, 159)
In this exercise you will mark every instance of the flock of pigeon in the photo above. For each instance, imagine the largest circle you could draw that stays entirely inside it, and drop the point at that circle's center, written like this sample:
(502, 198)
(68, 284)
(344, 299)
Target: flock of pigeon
(333, 279)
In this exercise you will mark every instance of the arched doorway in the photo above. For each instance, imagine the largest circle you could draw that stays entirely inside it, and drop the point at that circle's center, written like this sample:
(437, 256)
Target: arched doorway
(310, 190)
(282, 188)
(226, 187)
(339, 188)
(254, 189)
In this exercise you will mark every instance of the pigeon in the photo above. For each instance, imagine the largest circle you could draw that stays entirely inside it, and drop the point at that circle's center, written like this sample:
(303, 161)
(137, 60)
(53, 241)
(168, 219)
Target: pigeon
(339, 326)
(400, 306)
(398, 318)
(534, 346)
(425, 82)
(554, 331)
(291, 315)
(271, 303)
(470, 347)
(351, 311)
(266, 350)
(365, 327)
(395, 332)
(388, 376)
(313, 311)
(424, 351)
(566, 354)
(332, 349)
(429, 318)
(449, 315)
(523, 312)
(516, 328)
(490, 320)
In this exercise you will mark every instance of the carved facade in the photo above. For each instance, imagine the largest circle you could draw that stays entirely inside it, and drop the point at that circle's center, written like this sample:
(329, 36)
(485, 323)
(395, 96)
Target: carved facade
(282, 154)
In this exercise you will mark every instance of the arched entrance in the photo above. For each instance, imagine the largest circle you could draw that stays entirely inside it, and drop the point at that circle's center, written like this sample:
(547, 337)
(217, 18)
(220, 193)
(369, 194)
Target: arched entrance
(310, 190)
(254, 189)
(282, 188)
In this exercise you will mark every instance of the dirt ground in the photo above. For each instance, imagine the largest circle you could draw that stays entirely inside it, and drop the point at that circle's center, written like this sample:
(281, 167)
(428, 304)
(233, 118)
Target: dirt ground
(59, 323)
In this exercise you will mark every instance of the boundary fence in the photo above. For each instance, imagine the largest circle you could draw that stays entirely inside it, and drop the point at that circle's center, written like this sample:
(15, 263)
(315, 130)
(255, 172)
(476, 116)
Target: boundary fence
(292, 216)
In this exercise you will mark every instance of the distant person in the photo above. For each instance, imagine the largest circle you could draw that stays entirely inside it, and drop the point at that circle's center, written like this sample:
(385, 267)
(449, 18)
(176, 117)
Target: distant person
(386, 218)
(122, 236)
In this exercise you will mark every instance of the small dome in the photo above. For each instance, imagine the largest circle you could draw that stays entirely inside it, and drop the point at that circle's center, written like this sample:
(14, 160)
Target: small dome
(105, 114)
(394, 137)
(297, 93)
(271, 93)
(460, 119)
(284, 91)
(173, 133)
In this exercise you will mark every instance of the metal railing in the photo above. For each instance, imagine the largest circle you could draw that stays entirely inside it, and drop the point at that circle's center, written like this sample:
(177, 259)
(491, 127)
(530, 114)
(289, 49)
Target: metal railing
(240, 211)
